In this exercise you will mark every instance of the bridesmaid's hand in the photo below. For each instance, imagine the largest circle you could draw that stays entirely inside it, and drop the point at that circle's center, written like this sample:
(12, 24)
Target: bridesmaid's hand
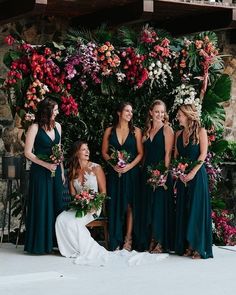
(189, 176)
(125, 169)
(51, 166)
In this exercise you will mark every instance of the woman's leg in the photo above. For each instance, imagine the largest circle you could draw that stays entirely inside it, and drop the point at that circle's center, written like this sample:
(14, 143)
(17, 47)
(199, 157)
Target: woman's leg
(129, 228)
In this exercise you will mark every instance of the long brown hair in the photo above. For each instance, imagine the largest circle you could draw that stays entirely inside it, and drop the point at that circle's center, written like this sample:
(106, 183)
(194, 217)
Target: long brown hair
(44, 113)
(149, 123)
(194, 124)
(73, 163)
(120, 109)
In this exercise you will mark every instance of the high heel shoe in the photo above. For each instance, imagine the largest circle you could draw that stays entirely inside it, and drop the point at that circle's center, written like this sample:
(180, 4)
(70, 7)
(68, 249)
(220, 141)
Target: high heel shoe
(152, 245)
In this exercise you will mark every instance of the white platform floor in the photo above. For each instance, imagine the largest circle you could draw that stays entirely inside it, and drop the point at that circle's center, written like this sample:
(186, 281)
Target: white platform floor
(24, 274)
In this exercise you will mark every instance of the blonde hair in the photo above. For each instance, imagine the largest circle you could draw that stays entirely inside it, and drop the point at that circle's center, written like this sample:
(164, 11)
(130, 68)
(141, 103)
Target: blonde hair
(149, 123)
(194, 124)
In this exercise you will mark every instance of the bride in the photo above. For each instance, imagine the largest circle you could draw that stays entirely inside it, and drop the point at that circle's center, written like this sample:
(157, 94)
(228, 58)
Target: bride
(73, 237)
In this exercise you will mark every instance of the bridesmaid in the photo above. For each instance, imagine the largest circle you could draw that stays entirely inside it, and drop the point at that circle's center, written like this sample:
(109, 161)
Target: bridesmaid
(158, 205)
(193, 211)
(45, 192)
(123, 190)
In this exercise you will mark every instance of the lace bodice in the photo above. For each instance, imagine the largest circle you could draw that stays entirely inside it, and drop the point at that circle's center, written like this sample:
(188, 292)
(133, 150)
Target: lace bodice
(90, 181)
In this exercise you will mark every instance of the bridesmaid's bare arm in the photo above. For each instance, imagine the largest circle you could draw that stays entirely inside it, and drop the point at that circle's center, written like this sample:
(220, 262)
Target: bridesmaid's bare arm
(169, 142)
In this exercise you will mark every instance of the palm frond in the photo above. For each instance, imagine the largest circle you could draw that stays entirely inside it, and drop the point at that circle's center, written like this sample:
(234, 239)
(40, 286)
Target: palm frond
(128, 36)
(103, 34)
(79, 35)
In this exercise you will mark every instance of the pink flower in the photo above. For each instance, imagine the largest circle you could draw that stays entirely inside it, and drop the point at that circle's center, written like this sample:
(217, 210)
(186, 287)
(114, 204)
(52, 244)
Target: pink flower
(156, 172)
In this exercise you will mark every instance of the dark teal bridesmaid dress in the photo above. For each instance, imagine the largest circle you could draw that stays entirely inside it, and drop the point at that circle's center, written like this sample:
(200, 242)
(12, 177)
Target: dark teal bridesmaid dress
(193, 207)
(157, 207)
(44, 200)
(122, 191)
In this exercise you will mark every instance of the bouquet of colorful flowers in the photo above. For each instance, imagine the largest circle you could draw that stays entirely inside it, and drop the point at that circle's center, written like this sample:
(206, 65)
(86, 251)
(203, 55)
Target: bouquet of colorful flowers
(87, 201)
(182, 166)
(157, 175)
(119, 158)
(56, 157)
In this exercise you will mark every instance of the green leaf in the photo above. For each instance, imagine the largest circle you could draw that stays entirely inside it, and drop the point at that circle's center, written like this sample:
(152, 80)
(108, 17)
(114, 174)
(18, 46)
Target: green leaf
(9, 57)
(2, 81)
(218, 203)
(58, 46)
(219, 147)
(213, 112)
(222, 88)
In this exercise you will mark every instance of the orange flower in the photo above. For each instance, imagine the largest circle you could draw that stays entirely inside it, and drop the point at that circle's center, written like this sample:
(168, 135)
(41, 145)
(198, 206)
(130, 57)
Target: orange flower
(198, 44)
(182, 167)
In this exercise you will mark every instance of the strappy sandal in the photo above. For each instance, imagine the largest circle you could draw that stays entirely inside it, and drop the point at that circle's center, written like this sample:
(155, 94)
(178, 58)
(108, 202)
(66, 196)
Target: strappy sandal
(196, 255)
(152, 245)
(127, 244)
(188, 252)
(157, 249)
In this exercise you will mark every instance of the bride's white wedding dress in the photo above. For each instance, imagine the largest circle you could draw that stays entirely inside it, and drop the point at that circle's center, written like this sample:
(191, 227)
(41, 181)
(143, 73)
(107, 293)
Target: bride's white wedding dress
(75, 241)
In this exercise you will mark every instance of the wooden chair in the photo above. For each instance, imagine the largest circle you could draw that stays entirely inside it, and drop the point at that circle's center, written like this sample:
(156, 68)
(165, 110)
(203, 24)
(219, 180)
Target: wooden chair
(101, 221)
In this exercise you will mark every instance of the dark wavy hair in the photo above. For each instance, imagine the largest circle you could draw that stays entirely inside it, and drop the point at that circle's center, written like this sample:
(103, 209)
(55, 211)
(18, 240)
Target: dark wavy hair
(120, 108)
(73, 162)
(44, 113)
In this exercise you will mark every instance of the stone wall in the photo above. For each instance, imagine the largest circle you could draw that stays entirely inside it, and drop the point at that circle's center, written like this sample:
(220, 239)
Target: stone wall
(230, 68)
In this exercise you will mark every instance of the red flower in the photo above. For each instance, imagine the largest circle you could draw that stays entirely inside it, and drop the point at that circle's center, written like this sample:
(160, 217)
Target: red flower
(9, 40)
(69, 106)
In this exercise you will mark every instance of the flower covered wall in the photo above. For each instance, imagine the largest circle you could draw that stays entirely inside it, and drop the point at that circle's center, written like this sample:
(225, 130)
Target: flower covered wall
(90, 72)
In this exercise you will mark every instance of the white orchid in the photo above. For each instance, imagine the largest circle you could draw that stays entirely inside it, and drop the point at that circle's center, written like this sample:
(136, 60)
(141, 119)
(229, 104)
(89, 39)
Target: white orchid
(159, 73)
(186, 94)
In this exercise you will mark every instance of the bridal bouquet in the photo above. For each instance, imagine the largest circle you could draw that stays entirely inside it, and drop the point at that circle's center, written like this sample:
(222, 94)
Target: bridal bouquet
(119, 158)
(87, 201)
(157, 175)
(56, 157)
(182, 166)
